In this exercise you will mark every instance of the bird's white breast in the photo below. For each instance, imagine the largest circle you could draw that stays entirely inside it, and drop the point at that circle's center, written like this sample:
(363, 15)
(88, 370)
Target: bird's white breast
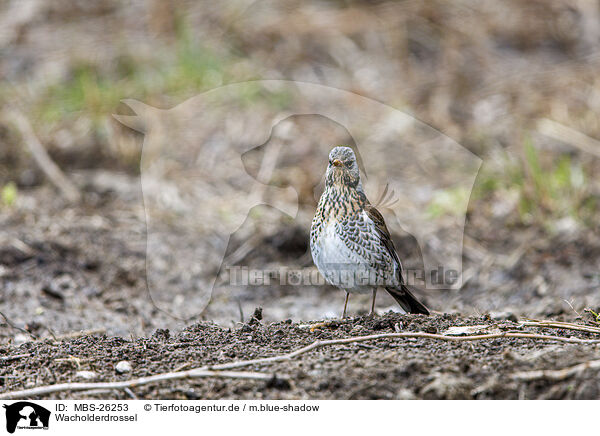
(336, 261)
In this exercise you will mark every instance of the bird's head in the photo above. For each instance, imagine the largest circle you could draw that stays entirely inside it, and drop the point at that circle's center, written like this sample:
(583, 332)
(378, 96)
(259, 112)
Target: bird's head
(342, 168)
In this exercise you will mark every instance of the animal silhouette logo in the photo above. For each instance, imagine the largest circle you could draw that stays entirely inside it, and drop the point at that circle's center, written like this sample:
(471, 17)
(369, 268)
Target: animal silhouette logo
(26, 415)
(197, 191)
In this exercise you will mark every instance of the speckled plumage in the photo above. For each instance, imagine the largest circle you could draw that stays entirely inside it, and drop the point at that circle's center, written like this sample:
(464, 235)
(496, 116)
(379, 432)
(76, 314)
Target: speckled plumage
(349, 241)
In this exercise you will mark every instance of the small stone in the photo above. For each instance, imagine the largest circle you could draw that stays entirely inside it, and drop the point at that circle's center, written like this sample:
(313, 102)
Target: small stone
(86, 375)
(21, 338)
(123, 366)
(504, 316)
(405, 394)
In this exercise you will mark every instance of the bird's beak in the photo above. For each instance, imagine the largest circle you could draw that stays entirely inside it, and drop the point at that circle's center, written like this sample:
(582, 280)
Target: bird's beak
(337, 163)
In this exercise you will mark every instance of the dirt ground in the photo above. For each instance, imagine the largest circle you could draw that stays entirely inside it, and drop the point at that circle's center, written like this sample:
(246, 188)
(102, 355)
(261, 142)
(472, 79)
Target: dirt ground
(378, 369)
(60, 281)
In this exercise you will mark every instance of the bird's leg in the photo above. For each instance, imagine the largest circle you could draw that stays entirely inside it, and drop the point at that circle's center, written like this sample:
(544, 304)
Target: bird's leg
(345, 304)
(373, 303)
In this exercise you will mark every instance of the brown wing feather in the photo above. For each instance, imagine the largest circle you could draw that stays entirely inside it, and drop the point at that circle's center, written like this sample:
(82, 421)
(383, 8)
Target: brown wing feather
(384, 233)
(401, 293)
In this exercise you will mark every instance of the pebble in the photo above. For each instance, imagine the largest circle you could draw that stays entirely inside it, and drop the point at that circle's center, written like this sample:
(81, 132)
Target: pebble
(21, 338)
(405, 394)
(123, 366)
(504, 316)
(86, 375)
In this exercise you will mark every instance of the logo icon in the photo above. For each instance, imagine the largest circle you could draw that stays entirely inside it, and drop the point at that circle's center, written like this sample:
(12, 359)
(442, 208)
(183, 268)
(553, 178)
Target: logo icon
(26, 415)
(199, 190)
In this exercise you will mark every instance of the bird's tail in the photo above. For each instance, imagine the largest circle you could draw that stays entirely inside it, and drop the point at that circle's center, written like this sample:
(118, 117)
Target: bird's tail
(407, 300)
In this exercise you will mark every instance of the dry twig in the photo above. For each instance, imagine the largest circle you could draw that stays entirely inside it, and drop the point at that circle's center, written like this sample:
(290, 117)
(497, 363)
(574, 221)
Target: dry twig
(568, 135)
(128, 384)
(16, 327)
(556, 374)
(13, 357)
(75, 335)
(560, 325)
(46, 164)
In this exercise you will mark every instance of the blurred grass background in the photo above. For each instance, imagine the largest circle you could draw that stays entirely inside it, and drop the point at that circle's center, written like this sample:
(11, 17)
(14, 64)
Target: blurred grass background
(516, 82)
(488, 74)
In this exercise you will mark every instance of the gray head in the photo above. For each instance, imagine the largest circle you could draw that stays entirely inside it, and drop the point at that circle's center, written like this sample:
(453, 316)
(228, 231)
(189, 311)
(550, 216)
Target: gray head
(342, 168)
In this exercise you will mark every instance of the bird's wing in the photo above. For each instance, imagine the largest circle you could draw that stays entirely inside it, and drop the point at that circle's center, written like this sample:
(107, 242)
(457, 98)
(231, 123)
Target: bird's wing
(400, 293)
(383, 232)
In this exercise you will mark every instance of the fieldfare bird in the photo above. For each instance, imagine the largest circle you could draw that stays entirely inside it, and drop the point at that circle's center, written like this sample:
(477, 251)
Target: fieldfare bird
(349, 241)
